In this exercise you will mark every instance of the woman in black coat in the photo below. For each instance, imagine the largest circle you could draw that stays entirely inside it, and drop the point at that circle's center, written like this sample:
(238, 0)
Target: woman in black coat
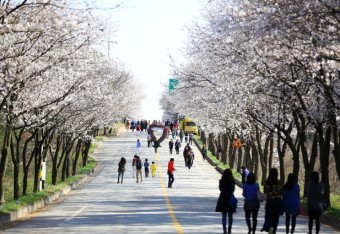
(227, 188)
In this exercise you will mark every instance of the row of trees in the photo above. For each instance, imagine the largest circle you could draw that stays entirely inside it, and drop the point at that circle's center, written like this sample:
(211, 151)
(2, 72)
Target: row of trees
(56, 89)
(267, 72)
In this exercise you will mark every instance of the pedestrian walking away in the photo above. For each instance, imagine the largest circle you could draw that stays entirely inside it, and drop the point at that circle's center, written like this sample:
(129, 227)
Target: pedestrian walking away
(149, 139)
(186, 137)
(156, 145)
(138, 147)
(204, 152)
(219, 151)
(146, 167)
(171, 145)
(225, 203)
(177, 146)
(315, 202)
(139, 166)
(153, 169)
(134, 165)
(290, 201)
(173, 133)
(251, 202)
(181, 135)
(121, 169)
(171, 170)
(190, 159)
(191, 138)
(244, 173)
(186, 153)
(273, 190)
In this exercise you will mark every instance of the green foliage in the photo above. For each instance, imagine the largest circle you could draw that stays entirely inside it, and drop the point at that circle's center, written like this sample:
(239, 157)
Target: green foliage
(334, 210)
(217, 162)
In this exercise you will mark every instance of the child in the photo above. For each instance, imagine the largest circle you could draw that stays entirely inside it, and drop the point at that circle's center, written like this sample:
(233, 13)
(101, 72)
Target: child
(153, 169)
(146, 167)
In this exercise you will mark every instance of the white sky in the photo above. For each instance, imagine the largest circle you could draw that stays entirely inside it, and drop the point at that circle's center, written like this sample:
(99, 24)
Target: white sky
(149, 31)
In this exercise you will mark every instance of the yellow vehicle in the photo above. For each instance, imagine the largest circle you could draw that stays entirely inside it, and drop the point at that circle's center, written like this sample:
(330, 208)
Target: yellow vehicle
(188, 125)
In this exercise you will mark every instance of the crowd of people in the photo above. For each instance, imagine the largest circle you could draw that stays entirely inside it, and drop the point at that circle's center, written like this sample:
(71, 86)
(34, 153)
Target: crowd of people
(280, 198)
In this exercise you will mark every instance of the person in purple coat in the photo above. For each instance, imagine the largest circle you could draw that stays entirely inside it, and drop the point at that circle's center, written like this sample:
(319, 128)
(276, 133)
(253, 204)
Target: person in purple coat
(290, 201)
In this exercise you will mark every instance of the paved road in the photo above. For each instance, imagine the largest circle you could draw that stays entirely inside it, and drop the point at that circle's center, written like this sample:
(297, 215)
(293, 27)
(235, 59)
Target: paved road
(103, 206)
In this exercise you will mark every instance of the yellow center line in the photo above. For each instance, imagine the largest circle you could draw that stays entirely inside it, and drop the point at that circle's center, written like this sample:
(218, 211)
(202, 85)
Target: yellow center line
(177, 225)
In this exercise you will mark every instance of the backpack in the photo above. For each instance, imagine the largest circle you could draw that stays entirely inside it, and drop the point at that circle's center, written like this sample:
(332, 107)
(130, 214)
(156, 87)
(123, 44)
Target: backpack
(139, 164)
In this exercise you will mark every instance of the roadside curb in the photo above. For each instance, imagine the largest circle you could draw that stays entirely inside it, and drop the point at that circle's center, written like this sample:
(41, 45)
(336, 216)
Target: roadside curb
(219, 169)
(23, 211)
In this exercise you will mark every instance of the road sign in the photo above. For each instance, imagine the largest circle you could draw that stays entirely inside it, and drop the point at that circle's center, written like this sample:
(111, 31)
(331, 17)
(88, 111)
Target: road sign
(172, 84)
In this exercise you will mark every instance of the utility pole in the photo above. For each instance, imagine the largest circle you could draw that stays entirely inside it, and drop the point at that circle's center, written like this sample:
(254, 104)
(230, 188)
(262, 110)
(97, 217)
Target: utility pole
(108, 44)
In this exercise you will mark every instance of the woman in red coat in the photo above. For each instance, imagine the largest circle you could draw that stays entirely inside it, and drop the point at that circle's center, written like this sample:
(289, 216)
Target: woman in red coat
(171, 170)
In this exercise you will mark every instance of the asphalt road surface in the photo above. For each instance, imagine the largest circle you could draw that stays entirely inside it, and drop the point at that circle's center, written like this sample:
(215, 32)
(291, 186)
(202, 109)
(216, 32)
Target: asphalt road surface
(105, 206)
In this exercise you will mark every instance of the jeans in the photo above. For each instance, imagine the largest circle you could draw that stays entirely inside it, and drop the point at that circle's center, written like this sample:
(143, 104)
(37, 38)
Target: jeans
(120, 174)
(171, 179)
(224, 221)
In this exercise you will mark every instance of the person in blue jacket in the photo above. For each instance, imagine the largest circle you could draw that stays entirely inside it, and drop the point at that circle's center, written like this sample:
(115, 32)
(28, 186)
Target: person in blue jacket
(290, 201)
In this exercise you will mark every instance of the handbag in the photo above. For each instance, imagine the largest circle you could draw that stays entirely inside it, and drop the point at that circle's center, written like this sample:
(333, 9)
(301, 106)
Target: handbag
(260, 196)
(233, 201)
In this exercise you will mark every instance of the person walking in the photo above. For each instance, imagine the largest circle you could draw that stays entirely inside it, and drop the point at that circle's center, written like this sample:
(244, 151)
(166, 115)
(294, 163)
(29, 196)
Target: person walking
(219, 151)
(156, 144)
(173, 133)
(121, 169)
(315, 202)
(153, 169)
(186, 137)
(290, 201)
(190, 159)
(186, 153)
(146, 167)
(204, 152)
(273, 209)
(227, 188)
(171, 170)
(138, 147)
(191, 138)
(148, 137)
(171, 145)
(177, 146)
(244, 173)
(181, 135)
(134, 165)
(139, 166)
(251, 202)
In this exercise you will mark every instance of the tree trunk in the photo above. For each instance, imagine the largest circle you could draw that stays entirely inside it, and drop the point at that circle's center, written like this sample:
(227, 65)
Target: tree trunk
(85, 153)
(26, 163)
(3, 162)
(309, 164)
(77, 154)
(324, 143)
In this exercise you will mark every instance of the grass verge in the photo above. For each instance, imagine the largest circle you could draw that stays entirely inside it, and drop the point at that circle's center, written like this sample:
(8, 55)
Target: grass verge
(31, 198)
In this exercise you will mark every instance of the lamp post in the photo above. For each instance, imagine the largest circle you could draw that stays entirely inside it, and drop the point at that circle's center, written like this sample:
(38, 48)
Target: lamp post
(108, 44)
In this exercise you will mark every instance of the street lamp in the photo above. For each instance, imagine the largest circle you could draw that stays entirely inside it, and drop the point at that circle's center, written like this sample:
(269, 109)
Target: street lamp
(108, 42)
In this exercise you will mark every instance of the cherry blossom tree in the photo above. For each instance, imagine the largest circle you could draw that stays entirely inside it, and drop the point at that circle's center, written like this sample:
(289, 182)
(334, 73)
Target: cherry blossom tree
(54, 87)
(268, 67)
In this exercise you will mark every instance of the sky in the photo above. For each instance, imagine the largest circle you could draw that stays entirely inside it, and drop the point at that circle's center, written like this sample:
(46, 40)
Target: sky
(148, 32)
